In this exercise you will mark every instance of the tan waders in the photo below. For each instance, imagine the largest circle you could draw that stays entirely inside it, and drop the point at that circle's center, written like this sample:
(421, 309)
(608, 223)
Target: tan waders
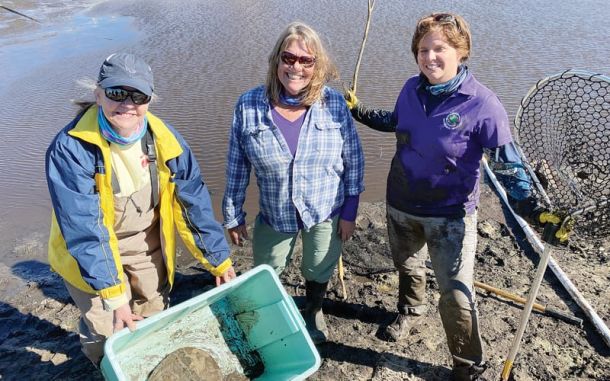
(137, 229)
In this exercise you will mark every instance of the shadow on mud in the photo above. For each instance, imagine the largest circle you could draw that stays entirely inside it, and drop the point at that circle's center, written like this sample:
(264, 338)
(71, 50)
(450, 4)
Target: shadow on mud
(39, 275)
(32, 346)
(378, 360)
(33, 343)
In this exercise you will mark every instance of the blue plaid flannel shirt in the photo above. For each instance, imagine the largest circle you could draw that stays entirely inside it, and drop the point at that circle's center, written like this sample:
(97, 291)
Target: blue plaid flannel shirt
(327, 167)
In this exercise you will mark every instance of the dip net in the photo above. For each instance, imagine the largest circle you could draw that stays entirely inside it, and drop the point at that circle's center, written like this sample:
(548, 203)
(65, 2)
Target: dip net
(563, 131)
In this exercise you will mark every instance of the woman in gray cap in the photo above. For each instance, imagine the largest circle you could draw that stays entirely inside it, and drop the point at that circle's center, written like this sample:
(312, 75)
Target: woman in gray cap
(122, 181)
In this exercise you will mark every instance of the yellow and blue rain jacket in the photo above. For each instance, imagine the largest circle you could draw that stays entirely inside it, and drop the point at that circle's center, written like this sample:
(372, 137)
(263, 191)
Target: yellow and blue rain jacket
(83, 246)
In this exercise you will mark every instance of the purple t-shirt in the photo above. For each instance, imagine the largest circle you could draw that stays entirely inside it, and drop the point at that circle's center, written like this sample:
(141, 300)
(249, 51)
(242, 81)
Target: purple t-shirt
(290, 130)
(435, 171)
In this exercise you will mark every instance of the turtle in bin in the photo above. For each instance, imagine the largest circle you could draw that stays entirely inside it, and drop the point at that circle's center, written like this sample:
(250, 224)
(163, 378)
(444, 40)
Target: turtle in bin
(191, 364)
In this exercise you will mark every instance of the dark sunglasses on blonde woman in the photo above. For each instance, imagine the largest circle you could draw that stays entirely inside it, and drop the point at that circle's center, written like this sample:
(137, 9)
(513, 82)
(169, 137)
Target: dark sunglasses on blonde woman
(290, 59)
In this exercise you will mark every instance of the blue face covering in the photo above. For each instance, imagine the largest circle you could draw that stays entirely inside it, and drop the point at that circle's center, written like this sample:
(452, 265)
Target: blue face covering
(289, 100)
(450, 86)
(110, 134)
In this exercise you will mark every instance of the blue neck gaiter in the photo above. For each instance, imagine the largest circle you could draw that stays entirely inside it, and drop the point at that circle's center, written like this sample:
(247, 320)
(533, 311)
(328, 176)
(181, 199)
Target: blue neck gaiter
(110, 134)
(289, 100)
(448, 87)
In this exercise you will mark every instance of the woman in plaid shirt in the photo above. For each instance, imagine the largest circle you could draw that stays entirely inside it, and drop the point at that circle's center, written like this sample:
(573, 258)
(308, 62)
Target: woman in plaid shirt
(299, 137)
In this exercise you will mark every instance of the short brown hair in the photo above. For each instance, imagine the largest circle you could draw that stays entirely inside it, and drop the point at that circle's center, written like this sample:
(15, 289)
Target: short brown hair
(454, 28)
(324, 69)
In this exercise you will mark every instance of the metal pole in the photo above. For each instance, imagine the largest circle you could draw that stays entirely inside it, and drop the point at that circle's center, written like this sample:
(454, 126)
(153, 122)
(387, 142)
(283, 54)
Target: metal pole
(527, 309)
(19, 13)
(516, 298)
(341, 276)
(354, 85)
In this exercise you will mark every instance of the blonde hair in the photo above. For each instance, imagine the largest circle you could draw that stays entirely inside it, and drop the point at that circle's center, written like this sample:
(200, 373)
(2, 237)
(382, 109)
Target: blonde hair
(454, 28)
(324, 69)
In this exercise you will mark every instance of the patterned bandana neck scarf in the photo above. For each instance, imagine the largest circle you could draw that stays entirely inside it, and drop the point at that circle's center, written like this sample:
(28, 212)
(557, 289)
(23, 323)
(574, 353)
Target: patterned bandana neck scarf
(449, 86)
(110, 134)
(289, 100)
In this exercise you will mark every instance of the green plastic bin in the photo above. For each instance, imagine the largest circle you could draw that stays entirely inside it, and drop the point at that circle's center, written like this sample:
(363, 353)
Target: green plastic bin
(250, 325)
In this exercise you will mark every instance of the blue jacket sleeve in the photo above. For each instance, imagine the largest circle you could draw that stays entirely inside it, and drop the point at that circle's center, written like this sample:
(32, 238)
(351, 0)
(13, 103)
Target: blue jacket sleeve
(510, 171)
(70, 170)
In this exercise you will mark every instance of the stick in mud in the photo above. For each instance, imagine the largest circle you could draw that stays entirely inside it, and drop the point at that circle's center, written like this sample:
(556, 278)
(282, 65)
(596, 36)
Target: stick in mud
(366, 34)
(19, 13)
(515, 298)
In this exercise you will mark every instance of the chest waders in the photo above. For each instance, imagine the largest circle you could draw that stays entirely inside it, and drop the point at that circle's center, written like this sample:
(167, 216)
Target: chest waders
(148, 147)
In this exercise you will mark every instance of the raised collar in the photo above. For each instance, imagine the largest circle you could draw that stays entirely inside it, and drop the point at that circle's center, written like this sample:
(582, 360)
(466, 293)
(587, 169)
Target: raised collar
(87, 129)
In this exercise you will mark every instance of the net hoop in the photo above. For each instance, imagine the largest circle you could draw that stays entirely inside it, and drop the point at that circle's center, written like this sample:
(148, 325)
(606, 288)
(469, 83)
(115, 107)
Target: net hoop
(563, 133)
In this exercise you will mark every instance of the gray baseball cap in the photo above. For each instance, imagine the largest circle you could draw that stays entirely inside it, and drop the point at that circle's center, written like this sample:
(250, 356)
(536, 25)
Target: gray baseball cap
(126, 69)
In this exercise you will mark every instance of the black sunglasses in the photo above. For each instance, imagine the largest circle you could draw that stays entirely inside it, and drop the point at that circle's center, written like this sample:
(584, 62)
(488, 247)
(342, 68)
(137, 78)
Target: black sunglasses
(290, 59)
(118, 94)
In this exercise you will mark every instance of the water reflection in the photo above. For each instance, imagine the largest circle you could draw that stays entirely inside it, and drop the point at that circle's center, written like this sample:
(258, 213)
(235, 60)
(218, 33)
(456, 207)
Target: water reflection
(206, 53)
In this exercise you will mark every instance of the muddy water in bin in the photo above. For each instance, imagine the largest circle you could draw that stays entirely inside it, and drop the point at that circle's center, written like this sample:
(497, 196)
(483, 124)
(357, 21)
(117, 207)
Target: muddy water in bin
(212, 328)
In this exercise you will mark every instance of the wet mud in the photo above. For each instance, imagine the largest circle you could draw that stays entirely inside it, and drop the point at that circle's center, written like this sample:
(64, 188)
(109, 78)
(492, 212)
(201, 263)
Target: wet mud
(38, 338)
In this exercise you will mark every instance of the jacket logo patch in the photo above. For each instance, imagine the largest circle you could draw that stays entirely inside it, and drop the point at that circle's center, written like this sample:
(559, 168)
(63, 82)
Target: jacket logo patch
(453, 121)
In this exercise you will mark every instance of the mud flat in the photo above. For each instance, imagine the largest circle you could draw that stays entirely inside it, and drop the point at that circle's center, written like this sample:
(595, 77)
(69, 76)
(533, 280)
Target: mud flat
(38, 337)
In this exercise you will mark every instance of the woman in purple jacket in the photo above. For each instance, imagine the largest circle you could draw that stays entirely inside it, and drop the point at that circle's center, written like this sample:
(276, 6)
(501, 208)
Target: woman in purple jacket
(443, 120)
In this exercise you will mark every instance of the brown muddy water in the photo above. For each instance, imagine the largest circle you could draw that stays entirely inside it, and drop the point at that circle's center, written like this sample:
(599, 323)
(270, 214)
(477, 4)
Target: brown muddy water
(206, 53)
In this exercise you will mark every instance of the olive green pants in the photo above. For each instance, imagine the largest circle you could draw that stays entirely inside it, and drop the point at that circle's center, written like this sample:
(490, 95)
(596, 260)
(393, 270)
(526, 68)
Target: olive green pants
(321, 248)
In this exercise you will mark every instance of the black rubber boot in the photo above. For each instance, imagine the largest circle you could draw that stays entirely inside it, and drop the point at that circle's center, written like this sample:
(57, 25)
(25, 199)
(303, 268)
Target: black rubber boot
(314, 318)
